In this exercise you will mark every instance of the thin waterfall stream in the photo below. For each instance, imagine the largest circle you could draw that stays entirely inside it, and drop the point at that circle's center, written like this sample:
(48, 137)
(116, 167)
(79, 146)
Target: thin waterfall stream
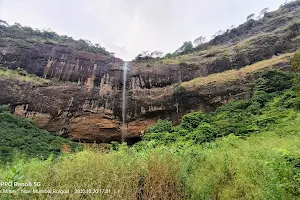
(124, 127)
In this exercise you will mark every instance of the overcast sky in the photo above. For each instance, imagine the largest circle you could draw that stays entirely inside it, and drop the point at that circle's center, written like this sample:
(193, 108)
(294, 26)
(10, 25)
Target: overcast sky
(128, 27)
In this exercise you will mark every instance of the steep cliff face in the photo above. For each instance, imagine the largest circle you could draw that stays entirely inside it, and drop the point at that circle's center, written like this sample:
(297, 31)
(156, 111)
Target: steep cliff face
(83, 99)
(85, 114)
(51, 60)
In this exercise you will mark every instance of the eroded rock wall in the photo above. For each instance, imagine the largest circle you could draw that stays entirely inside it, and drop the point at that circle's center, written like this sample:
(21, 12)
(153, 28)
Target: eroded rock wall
(83, 100)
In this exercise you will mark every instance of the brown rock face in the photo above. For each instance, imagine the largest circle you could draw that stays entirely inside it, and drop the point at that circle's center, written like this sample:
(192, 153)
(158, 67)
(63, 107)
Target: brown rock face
(83, 100)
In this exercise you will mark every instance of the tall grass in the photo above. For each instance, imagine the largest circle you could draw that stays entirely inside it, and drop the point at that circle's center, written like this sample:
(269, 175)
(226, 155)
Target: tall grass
(230, 168)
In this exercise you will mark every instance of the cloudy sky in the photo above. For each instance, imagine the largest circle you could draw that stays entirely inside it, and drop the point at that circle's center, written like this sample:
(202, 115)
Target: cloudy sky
(128, 27)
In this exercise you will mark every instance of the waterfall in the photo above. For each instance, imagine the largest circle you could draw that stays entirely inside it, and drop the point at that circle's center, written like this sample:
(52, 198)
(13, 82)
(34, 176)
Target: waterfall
(124, 127)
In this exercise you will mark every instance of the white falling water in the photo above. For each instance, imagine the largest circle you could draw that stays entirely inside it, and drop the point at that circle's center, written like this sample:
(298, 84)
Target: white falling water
(124, 127)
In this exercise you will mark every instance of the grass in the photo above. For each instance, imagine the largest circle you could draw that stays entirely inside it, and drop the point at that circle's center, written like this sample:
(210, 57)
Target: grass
(198, 57)
(21, 76)
(230, 168)
(247, 169)
(231, 75)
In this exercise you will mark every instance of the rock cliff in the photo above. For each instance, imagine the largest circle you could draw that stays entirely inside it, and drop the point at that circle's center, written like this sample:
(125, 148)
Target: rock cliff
(83, 99)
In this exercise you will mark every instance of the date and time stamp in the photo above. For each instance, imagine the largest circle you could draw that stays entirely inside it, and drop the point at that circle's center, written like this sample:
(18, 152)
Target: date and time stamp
(33, 188)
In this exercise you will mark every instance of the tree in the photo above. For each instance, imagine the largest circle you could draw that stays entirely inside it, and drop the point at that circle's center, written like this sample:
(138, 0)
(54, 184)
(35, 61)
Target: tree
(169, 55)
(220, 32)
(138, 57)
(18, 25)
(3, 23)
(187, 46)
(89, 43)
(200, 40)
(146, 55)
(157, 54)
(250, 16)
(263, 12)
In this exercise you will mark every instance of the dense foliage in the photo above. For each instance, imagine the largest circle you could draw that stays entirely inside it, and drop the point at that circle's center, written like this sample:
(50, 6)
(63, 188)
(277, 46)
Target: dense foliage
(263, 166)
(25, 33)
(20, 135)
(272, 98)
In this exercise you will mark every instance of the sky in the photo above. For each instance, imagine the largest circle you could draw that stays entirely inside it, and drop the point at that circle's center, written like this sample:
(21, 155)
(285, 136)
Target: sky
(128, 27)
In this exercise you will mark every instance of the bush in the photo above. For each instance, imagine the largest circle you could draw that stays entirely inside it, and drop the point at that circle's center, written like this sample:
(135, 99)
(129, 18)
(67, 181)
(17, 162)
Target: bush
(21, 135)
(273, 81)
(205, 132)
(4, 108)
(160, 126)
(261, 98)
(290, 99)
(293, 103)
(295, 62)
(296, 82)
(192, 120)
(234, 106)
(179, 90)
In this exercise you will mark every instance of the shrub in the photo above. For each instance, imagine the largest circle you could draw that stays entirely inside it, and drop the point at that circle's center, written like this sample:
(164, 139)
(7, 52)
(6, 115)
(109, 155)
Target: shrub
(261, 98)
(290, 99)
(264, 121)
(205, 132)
(255, 108)
(192, 120)
(4, 108)
(21, 135)
(295, 62)
(273, 81)
(234, 106)
(160, 126)
(296, 82)
(179, 90)
(293, 103)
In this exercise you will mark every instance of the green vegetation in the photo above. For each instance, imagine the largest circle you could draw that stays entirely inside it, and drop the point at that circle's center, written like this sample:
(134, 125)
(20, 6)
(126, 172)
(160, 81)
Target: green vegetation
(263, 166)
(21, 136)
(179, 90)
(20, 75)
(296, 62)
(247, 149)
(232, 75)
(25, 34)
(185, 48)
(268, 105)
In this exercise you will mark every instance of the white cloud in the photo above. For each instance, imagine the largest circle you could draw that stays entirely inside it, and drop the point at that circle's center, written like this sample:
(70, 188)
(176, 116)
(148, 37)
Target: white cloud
(128, 27)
